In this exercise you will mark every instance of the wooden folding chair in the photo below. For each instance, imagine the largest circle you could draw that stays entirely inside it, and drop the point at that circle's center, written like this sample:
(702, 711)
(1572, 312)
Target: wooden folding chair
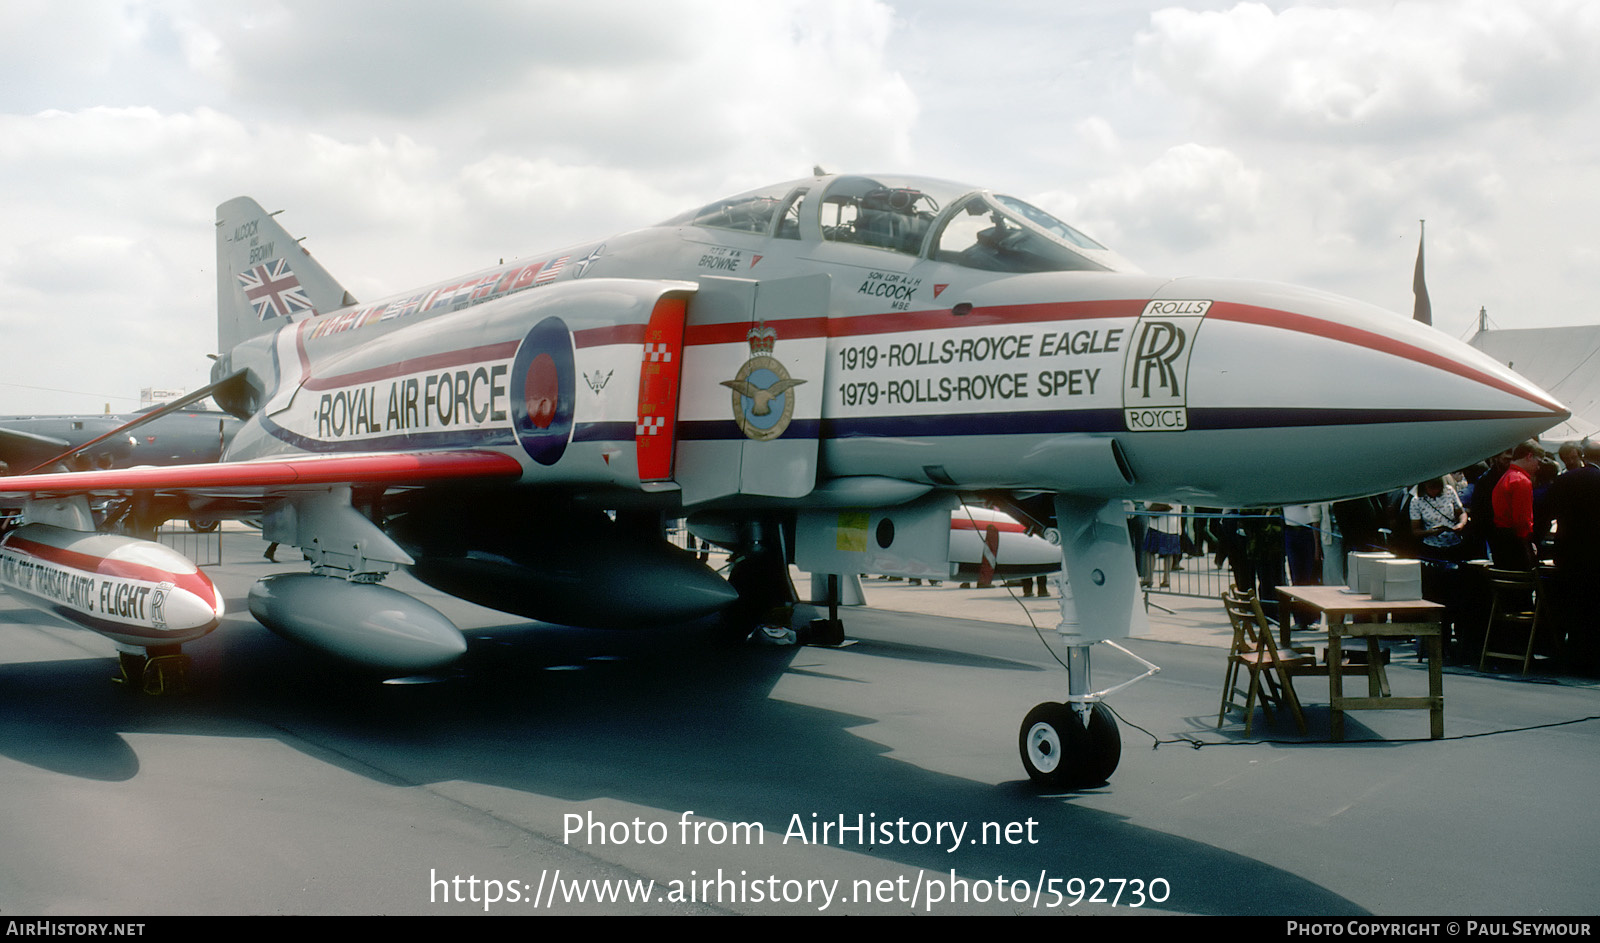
(1255, 651)
(1518, 604)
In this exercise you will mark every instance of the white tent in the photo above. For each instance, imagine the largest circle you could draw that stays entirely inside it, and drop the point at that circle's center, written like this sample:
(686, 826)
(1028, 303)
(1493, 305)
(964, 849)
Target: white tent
(1564, 361)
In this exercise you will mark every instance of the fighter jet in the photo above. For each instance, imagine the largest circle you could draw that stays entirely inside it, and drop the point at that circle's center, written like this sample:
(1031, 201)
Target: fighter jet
(952, 341)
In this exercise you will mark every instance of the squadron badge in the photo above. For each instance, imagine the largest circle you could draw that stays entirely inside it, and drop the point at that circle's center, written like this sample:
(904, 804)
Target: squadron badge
(762, 403)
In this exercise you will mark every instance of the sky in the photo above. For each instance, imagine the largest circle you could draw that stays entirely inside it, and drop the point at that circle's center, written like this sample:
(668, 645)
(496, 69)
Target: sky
(408, 141)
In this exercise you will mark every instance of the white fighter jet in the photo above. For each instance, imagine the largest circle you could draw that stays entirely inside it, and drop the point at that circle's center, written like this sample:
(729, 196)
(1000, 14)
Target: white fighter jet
(817, 370)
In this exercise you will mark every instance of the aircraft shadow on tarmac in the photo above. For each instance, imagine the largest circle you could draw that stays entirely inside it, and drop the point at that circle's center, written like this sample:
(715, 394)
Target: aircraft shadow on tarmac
(664, 719)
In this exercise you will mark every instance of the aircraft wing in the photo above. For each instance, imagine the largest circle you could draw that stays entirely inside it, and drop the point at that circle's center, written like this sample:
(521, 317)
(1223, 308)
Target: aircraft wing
(265, 477)
(22, 450)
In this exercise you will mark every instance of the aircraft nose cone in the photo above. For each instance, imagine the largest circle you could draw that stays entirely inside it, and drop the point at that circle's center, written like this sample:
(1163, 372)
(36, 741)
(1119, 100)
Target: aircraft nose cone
(1296, 339)
(1345, 384)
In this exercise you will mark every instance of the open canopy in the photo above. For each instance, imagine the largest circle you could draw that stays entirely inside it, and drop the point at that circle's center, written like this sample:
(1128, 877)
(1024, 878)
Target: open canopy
(917, 216)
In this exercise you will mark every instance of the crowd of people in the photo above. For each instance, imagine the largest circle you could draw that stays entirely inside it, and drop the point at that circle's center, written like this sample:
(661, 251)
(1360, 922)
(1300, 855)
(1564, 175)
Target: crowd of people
(1520, 510)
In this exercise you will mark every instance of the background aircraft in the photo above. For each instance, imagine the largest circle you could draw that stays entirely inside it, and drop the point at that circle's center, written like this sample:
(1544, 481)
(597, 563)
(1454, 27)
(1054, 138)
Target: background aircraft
(990, 545)
(183, 437)
(822, 368)
(156, 435)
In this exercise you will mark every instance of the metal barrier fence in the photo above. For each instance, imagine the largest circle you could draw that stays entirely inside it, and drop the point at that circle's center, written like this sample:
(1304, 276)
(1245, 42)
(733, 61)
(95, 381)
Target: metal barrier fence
(1206, 545)
(202, 548)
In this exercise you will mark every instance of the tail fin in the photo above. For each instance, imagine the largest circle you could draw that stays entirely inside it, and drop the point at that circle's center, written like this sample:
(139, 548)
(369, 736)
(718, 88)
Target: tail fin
(263, 275)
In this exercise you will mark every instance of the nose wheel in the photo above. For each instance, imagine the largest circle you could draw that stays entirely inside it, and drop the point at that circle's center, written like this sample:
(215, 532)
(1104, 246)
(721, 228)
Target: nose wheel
(1060, 752)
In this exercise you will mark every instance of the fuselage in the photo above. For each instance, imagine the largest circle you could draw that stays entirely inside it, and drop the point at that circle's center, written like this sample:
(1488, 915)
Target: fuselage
(850, 328)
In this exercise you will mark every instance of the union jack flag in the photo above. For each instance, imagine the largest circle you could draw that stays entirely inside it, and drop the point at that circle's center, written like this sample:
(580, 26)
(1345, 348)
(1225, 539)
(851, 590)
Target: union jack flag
(274, 291)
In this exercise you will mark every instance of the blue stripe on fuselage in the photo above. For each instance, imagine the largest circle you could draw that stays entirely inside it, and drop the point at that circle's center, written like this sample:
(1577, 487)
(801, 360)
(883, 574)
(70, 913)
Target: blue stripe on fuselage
(1037, 422)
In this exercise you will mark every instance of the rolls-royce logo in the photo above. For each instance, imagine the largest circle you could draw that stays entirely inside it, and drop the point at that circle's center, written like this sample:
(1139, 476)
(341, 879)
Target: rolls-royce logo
(1155, 376)
(1159, 344)
(158, 605)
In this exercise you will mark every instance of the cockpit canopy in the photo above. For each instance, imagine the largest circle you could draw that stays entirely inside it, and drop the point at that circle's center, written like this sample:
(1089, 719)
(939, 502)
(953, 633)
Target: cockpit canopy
(916, 216)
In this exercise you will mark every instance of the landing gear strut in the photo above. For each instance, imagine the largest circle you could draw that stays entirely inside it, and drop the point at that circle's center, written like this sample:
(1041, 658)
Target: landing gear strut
(759, 572)
(1075, 743)
(158, 673)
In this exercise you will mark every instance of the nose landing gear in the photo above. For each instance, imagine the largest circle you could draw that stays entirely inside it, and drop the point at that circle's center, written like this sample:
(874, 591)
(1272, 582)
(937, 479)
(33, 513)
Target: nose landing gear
(1074, 744)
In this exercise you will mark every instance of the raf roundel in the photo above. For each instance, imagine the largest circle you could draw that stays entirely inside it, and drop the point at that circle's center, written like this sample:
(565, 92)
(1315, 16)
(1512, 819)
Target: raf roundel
(542, 378)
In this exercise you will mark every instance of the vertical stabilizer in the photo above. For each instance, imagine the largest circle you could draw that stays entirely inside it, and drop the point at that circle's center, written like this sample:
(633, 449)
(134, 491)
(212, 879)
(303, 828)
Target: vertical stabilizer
(265, 279)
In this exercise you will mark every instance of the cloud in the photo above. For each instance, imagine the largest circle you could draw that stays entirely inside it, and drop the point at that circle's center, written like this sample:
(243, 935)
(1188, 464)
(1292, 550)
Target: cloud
(1292, 139)
(1374, 71)
(408, 141)
(1189, 197)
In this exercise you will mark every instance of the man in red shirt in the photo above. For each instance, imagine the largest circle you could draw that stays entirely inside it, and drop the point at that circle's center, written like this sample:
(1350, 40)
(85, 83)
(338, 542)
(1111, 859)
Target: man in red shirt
(1511, 544)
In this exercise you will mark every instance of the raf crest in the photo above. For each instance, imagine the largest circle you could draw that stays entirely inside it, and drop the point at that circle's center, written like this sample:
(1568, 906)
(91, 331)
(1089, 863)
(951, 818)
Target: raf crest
(762, 402)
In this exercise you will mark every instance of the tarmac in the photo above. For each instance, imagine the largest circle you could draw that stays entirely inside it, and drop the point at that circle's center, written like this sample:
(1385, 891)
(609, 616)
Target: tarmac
(878, 777)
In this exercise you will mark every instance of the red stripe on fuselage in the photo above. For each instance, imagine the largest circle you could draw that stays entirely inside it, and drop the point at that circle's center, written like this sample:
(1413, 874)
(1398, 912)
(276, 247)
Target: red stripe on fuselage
(587, 337)
(300, 346)
(898, 322)
(736, 332)
(449, 358)
(605, 336)
(943, 319)
(1344, 333)
(197, 583)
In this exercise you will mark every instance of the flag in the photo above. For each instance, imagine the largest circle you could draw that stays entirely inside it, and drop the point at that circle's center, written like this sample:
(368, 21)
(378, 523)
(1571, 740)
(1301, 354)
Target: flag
(274, 291)
(1423, 308)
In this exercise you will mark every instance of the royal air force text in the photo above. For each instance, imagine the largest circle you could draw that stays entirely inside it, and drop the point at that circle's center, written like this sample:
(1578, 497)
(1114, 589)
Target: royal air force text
(453, 399)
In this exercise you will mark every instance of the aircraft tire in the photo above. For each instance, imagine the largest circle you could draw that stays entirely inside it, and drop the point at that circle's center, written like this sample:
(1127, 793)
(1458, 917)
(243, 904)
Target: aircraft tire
(1059, 753)
(1104, 747)
(1050, 738)
(204, 527)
